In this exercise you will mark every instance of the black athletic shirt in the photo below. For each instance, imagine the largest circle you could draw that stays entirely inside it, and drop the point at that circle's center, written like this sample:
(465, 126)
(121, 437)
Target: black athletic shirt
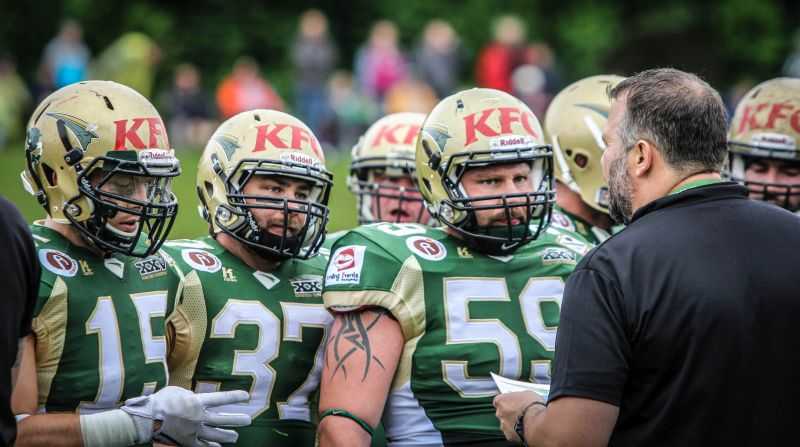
(689, 321)
(19, 282)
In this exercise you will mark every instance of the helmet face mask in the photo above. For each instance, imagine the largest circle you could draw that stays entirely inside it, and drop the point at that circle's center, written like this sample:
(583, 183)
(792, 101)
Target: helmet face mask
(532, 208)
(382, 171)
(90, 148)
(111, 189)
(764, 143)
(237, 157)
(485, 129)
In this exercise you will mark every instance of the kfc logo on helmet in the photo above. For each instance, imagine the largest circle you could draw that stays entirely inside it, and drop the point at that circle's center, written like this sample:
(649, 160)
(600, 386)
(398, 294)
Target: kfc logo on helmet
(58, 262)
(389, 133)
(128, 137)
(276, 135)
(345, 265)
(477, 123)
(768, 116)
(201, 260)
(426, 248)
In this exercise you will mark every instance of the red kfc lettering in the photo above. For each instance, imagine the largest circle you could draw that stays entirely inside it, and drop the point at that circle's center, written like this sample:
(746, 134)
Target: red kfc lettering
(128, 134)
(527, 124)
(299, 135)
(795, 121)
(749, 119)
(156, 128)
(388, 134)
(508, 115)
(479, 125)
(776, 113)
(265, 133)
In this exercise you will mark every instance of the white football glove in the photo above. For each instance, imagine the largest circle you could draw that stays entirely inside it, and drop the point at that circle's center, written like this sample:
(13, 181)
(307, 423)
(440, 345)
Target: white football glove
(187, 419)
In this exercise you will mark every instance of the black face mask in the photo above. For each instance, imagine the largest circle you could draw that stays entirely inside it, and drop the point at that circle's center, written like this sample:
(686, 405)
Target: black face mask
(155, 215)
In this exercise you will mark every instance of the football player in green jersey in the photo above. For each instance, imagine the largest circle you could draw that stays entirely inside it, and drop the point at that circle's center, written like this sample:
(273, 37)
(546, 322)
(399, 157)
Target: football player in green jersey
(424, 315)
(573, 125)
(382, 173)
(251, 314)
(99, 162)
(764, 143)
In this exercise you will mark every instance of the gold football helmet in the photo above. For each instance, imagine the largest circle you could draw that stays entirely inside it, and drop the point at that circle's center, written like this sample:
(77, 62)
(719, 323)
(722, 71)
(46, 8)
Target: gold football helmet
(387, 148)
(766, 127)
(476, 128)
(90, 147)
(264, 143)
(574, 126)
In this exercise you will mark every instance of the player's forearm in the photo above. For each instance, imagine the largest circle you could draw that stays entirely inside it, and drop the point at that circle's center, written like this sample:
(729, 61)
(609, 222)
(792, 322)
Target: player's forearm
(341, 432)
(49, 430)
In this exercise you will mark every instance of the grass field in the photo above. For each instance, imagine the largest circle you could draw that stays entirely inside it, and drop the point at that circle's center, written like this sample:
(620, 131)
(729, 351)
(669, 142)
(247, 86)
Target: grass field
(189, 223)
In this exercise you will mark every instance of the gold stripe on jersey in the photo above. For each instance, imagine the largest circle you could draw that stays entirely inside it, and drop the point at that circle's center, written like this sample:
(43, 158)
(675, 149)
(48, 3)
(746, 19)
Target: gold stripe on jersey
(189, 323)
(50, 329)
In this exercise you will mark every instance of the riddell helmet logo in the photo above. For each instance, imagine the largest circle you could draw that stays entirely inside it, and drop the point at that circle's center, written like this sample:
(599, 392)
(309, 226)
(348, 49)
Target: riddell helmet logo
(345, 260)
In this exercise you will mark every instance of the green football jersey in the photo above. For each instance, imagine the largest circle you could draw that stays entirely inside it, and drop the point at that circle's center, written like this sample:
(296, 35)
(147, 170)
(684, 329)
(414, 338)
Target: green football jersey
(463, 315)
(236, 328)
(567, 221)
(330, 239)
(99, 325)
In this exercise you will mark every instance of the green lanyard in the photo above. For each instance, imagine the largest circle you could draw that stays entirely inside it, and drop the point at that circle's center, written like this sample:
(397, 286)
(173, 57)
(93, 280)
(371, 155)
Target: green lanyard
(695, 184)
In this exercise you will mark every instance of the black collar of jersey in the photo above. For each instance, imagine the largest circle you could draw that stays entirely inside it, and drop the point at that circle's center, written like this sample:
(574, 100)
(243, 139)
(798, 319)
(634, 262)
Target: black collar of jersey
(715, 191)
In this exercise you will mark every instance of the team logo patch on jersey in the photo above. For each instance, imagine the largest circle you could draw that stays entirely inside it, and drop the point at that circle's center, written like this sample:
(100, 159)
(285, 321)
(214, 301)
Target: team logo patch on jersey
(559, 220)
(307, 286)
(151, 267)
(553, 255)
(345, 266)
(426, 248)
(58, 262)
(201, 260)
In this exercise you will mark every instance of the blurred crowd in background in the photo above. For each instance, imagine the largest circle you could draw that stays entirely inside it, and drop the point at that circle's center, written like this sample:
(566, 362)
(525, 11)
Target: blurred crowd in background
(337, 99)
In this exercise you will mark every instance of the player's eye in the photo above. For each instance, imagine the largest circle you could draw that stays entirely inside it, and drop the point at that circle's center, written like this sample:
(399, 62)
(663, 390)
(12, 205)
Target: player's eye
(520, 179)
(757, 167)
(791, 171)
(489, 181)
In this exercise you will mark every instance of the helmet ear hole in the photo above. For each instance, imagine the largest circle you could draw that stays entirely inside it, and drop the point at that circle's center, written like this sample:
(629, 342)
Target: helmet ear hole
(50, 175)
(209, 188)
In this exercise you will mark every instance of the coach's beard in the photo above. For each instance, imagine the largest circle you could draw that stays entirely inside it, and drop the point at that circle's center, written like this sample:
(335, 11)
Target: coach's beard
(620, 207)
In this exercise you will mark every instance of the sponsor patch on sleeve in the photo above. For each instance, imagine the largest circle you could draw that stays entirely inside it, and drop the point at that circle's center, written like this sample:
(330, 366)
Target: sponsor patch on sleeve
(426, 248)
(201, 260)
(58, 262)
(345, 265)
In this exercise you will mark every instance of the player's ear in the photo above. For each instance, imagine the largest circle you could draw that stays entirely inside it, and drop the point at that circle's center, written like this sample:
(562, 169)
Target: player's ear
(642, 157)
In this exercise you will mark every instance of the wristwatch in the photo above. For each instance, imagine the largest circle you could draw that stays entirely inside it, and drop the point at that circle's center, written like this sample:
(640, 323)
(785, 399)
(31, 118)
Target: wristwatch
(519, 426)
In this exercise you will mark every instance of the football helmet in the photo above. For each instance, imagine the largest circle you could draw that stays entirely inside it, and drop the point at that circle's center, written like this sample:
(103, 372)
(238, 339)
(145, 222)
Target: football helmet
(388, 148)
(574, 127)
(95, 149)
(476, 128)
(256, 143)
(766, 126)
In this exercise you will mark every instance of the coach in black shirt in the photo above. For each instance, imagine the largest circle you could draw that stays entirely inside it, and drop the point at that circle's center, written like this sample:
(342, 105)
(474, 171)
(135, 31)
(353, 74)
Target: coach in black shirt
(19, 284)
(682, 329)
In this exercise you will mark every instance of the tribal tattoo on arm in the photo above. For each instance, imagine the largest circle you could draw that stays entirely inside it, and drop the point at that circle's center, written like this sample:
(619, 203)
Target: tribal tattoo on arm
(352, 338)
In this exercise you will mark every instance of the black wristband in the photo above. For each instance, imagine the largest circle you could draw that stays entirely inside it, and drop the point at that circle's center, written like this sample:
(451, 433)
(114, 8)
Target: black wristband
(519, 427)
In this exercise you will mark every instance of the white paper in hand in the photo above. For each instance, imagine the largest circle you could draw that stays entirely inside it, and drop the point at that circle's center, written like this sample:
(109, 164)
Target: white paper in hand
(505, 385)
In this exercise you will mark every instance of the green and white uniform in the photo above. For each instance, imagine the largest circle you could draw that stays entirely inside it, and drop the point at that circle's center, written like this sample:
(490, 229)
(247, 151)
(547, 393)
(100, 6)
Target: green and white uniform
(463, 315)
(99, 325)
(239, 328)
(595, 235)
